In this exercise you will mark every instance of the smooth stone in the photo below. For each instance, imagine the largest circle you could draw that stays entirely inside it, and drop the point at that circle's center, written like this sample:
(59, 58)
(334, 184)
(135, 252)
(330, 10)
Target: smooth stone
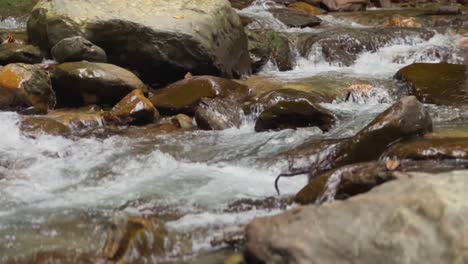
(218, 114)
(19, 53)
(135, 109)
(77, 49)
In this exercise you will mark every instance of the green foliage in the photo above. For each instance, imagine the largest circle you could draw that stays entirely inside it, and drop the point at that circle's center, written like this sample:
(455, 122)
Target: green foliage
(16, 7)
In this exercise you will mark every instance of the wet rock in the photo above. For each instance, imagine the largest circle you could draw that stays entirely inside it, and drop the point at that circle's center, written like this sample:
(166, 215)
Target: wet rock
(294, 114)
(35, 126)
(306, 8)
(403, 22)
(80, 118)
(269, 203)
(57, 256)
(84, 83)
(183, 96)
(135, 240)
(343, 46)
(24, 86)
(241, 4)
(182, 121)
(271, 46)
(365, 93)
(217, 114)
(293, 18)
(77, 49)
(355, 179)
(405, 119)
(431, 148)
(345, 5)
(392, 223)
(19, 53)
(435, 83)
(382, 3)
(135, 109)
(202, 37)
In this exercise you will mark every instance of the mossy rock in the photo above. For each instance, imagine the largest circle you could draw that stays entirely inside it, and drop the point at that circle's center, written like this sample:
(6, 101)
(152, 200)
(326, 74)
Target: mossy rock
(267, 45)
(19, 53)
(35, 126)
(436, 83)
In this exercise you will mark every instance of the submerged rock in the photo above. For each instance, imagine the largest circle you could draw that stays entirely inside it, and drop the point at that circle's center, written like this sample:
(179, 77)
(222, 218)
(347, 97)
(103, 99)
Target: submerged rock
(218, 114)
(436, 83)
(135, 108)
(455, 148)
(135, 240)
(159, 39)
(24, 86)
(77, 49)
(294, 114)
(358, 178)
(19, 53)
(293, 18)
(393, 223)
(306, 8)
(345, 5)
(183, 96)
(35, 126)
(84, 83)
(343, 46)
(405, 119)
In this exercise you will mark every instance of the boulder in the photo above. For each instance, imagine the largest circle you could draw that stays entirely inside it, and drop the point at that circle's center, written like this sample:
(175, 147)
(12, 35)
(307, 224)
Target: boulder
(354, 179)
(454, 148)
(435, 83)
(345, 5)
(240, 4)
(293, 18)
(24, 86)
(294, 114)
(269, 99)
(183, 96)
(77, 49)
(421, 219)
(84, 83)
(78, 119)
(343, 45)
(19, 53)
(135, 109)
(160, 40)
(405, 119)
(217, 114)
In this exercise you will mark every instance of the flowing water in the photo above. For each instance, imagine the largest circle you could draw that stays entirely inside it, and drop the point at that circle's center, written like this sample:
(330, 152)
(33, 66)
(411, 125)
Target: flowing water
(63, 193)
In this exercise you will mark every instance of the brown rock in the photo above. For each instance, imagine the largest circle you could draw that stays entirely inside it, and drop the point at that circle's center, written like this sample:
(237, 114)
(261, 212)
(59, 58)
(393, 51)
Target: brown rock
(218, 114)
(19, 53)
(35, 126)
(183, 96)
(453, 148)
(306, 8)
(135, 109)
(345, 5)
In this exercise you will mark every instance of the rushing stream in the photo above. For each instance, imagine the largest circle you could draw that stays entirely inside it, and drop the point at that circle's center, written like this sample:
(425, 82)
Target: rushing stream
(60, 192)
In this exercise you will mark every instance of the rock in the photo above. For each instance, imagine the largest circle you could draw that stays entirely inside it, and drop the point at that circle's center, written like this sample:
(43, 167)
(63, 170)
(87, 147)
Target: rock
(405, 119)
(135, 109)
(182, 121)
(448, 10)
(35, 126)
(358, 178)
(365, 93)
(345, 5)
(19, 53)
(77, 49)
(382, 3)
(183, 96)
(294, 114)
(241, 4)
(293, 18)
(454, 148)
(24, 86)
(16, 8)
(271, 46)
(435, 83)
(414, 220)
(168, 38)
(217, 114)
(343, 46)
(306, 8)
(62, 256)
(403, 22)
(135, 240)
(78, 119)
(84, 83)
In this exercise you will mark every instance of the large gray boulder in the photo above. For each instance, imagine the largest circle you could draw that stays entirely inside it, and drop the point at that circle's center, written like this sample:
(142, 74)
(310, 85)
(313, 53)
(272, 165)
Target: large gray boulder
(162, 40)
(422, 219)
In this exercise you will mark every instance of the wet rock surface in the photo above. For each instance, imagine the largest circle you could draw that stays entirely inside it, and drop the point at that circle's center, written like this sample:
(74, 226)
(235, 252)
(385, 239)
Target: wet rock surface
(454, 148)
(293, 18)
(265, 46)
(218, 114)
(24, 86)
(169, 45)
(19, 53)
(77, 49)
(443, 84)
(84, 83)
(183, 96)
(135, 108)
(396, 220)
